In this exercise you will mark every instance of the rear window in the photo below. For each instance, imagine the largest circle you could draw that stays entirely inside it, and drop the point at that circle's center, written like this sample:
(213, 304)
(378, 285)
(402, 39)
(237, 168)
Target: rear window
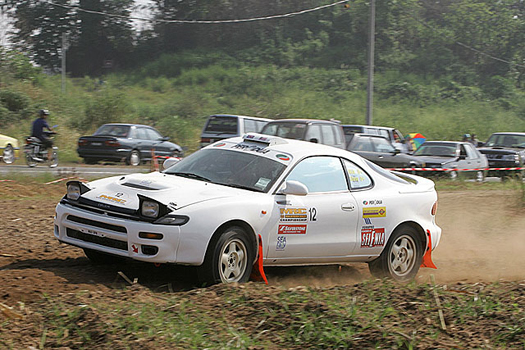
(113, 130)
(222, 125)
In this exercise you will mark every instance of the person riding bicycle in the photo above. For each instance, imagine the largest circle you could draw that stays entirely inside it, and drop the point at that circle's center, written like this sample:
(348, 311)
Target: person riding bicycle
(39, 124)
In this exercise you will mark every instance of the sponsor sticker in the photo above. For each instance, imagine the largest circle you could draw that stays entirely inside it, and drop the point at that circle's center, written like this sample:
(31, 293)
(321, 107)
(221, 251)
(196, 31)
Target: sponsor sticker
(373, 202)
(374, 212)
(283, 157)
(222, 144)
(118, 197)
(372, 237)
(294, 215)
(292, 229)
(281, 243)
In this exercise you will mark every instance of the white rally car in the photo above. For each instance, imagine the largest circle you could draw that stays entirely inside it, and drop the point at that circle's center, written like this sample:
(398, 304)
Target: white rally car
(256, 200)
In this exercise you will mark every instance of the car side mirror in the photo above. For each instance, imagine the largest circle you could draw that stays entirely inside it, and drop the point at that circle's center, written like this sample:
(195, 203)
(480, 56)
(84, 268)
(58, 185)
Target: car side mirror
(314, 140)
(395, 151)
(295, 188)
(462, 157)
(169, 162)
(164, 138)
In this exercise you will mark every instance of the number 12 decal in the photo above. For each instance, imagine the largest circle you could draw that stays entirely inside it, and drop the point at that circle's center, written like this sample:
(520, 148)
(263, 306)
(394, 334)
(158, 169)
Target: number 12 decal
(313, 214)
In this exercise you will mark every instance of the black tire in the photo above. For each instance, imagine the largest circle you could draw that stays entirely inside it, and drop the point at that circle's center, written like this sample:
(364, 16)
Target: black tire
(91, 161)
(99, 258)
(401, 258)
(9, 155)
(30, 161)
(54, 158)
(228, 259)
(134, 158)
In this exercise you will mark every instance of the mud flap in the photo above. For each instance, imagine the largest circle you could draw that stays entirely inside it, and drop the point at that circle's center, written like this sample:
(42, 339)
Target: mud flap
(427, 258)
(257, 270)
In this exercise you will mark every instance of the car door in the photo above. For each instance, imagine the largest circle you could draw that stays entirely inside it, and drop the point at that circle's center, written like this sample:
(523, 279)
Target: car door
(143, 142)
(320, 226)
(161, 147)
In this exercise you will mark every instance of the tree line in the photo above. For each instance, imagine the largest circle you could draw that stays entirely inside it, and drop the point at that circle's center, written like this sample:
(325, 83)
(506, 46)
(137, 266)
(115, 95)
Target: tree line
(473, 42)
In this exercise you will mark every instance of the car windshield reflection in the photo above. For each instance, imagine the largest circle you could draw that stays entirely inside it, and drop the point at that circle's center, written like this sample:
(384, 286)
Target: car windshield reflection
(229, 168)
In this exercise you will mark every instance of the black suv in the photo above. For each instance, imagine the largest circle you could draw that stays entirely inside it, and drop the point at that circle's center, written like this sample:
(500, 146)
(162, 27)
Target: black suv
(505, 150)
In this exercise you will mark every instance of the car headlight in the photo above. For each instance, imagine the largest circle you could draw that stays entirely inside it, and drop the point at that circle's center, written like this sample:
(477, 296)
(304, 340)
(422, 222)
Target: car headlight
(150, 209)
(175, 220)
(73, 191)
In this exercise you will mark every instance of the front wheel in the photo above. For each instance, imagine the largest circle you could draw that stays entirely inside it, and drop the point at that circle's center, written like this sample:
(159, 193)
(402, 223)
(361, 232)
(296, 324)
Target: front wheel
(229, 259)
(31, 162)
(401, 258)
(134, 158)
(9, 155)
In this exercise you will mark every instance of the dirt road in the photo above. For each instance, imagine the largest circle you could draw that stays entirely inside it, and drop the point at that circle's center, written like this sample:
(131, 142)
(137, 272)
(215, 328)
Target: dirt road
(483, 240)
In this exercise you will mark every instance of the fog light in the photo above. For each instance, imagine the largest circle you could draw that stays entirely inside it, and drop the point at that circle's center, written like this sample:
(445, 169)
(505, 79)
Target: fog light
(151, 235)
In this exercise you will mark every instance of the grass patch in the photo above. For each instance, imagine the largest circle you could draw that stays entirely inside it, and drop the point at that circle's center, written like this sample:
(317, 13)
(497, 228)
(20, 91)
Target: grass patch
(372, 314)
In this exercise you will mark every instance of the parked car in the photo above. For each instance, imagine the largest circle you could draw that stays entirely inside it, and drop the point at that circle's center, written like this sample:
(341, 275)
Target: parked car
(326, 132)
(505, 150)
(132, 143)
(257, 199)
(222, 126)
(380, 150)
(452, 155)
(393, 135)
(9, 149)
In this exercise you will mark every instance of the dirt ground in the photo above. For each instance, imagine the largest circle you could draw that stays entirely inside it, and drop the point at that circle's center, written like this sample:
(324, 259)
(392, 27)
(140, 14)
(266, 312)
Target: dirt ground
(483, 241)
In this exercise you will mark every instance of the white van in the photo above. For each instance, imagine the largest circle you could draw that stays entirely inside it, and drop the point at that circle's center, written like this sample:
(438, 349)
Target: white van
(223, 126)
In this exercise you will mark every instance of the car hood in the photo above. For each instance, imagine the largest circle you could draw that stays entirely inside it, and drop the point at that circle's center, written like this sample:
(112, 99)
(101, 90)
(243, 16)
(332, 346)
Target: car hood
(501, 150)
(174, 191)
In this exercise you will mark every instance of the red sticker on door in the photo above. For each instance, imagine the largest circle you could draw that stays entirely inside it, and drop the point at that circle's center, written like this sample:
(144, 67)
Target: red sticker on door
(292, 229)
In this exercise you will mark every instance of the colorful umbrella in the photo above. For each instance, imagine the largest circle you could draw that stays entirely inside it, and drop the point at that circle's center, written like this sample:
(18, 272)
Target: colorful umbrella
(416, 139)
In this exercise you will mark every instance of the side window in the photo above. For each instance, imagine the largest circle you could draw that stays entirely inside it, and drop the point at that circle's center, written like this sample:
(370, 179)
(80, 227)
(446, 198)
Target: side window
(382, 145)
(328, 134)
(140, 134)
(471, 153)
(313, 132)
(462, 151)
(363, 144)
(250, 126)
(271, 129)
(260, 124)
(153, 134)
(320, 174)
(358, 178)
(383, 133)
(337, 134)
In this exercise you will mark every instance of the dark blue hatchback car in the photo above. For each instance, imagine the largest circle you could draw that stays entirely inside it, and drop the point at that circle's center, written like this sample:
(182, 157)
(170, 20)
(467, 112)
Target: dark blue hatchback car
(131, 143)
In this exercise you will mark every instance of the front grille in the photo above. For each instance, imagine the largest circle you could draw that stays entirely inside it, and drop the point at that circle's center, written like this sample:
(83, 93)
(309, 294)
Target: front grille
(103, 241)
(97, 224)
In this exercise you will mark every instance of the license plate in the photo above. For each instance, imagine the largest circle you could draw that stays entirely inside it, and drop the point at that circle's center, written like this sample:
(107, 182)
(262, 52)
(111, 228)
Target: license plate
(92, 232)
(96, 143)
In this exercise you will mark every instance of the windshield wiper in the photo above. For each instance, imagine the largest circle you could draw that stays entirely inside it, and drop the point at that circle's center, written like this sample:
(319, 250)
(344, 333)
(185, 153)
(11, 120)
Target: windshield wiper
(191, 176)
(243, 187)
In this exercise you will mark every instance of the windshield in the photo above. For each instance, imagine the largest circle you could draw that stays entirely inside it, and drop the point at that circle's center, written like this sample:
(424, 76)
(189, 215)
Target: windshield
(113, 130)
(230, 168)
(222, 125)
(506, 140)
(437, 150)
(289, 130)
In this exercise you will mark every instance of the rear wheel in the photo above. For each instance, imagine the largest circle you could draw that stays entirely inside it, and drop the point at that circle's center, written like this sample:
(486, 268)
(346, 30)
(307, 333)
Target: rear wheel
(401, 258)
(134, 158)
(229, 259)
(54, 158)
(9, 155)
